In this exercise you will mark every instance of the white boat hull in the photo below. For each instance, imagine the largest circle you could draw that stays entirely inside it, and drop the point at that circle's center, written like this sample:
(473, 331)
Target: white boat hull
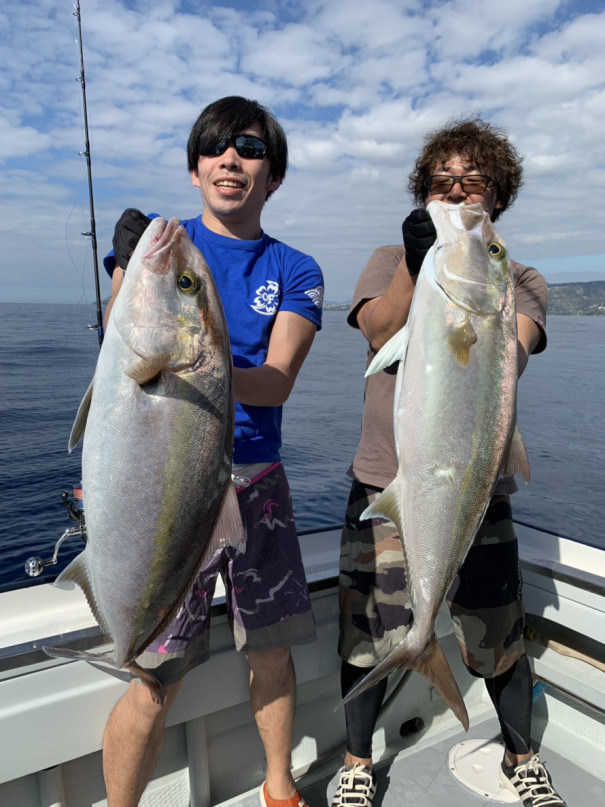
(52, 713)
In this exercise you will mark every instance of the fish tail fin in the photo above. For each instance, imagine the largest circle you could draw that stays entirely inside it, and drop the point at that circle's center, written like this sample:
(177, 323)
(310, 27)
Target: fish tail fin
(84, 655)
(155, 687)
(431, 663)
(392, 351)
(388, 665)
(516, 460)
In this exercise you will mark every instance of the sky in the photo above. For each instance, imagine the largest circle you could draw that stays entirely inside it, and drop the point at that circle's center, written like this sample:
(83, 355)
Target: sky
(356, 86)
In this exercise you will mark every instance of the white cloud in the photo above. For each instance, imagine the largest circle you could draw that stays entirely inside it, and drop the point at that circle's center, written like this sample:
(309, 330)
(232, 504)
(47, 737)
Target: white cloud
(356, 85)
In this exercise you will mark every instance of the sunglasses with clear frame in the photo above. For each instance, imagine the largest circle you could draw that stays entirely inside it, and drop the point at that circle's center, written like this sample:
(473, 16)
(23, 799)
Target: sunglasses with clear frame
(470, 183)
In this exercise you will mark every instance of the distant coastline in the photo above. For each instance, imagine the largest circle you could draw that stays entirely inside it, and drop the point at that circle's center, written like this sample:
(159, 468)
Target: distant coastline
(572, 299)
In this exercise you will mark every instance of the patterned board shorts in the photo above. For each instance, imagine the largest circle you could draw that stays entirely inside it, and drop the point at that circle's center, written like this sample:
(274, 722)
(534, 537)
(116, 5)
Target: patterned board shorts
(484, 599)
(267, 598)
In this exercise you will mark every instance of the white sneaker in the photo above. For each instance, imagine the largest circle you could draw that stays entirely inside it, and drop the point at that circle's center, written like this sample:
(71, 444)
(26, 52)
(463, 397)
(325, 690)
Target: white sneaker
(531, 782)
(356, 787)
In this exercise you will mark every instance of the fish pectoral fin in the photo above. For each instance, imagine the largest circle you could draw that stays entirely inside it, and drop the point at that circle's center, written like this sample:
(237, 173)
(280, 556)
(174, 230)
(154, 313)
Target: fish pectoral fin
(228, 527)
(433, 664)
(77, 430)
(460, 337)
(392, 351)
(516, 459)
(145, 370)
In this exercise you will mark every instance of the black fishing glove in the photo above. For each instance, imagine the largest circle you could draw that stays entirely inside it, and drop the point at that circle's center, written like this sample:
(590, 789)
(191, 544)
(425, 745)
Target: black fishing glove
(129, 228)
(419, 235)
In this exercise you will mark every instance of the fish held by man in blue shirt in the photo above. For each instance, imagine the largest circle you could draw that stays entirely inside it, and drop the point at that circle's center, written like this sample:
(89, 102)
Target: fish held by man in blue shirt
(454, 421)
(157, 422)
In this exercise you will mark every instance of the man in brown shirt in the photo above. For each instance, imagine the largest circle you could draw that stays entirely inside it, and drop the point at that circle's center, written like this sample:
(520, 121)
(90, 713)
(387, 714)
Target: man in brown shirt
(466, 162)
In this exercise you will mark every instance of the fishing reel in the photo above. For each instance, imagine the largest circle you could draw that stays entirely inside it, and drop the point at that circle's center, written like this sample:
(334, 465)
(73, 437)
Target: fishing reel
(73, 501)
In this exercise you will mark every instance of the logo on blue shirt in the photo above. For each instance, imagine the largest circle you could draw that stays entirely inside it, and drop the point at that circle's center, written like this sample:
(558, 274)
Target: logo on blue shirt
(267, 298)
(317, 295)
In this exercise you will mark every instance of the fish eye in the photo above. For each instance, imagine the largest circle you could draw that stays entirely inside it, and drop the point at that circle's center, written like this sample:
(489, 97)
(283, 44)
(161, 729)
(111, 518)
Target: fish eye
(188, 283)
(496, 250)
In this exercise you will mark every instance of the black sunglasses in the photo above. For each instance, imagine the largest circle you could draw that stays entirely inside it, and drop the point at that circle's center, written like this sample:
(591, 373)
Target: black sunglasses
(249, 147)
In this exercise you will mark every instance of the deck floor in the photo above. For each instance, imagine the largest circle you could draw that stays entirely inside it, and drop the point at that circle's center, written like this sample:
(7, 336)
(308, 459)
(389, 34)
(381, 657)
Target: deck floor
(423, 777)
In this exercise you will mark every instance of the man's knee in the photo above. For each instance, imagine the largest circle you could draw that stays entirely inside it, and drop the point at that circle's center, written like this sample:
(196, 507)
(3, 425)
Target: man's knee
(138, 699)
(272, 662)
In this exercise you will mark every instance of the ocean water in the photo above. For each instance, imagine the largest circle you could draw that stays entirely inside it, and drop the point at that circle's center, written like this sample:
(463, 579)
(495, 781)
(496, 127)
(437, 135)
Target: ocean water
(47, 358)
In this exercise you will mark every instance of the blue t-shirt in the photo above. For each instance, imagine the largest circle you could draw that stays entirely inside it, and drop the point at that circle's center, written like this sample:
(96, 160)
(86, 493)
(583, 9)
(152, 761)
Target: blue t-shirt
(255, 280)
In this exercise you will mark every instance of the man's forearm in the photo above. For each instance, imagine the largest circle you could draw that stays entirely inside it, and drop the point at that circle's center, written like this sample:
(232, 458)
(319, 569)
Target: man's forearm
(261, 386)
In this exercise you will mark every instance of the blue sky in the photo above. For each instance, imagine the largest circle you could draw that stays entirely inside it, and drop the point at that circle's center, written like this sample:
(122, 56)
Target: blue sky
(356, 86)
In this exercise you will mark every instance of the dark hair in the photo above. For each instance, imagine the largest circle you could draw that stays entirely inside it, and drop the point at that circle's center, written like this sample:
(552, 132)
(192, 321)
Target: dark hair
(232, 115)
(479, 142)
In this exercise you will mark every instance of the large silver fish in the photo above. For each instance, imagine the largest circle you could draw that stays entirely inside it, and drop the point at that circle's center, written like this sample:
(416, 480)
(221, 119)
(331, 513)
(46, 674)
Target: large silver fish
(455, 423)
(157, 422)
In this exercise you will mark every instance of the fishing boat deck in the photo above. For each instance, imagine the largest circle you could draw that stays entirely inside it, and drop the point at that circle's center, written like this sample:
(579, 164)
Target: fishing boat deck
(421, 774)
(52, 712)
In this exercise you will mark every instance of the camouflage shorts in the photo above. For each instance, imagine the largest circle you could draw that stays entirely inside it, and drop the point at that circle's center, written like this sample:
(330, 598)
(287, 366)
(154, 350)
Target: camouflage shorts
(484, 599)
(267, 598)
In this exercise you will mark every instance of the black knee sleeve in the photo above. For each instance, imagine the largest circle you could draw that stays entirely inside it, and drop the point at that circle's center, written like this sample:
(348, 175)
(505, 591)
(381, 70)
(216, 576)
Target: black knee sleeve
(512, 695)
(362, 712)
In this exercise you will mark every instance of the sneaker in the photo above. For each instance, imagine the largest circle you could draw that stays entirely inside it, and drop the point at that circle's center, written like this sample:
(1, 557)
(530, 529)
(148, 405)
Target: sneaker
(356, 787)
(268, 801)
(531, 782)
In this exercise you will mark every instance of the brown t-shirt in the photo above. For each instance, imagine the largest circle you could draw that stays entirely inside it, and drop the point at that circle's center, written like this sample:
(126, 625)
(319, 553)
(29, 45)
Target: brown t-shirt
(375, 462)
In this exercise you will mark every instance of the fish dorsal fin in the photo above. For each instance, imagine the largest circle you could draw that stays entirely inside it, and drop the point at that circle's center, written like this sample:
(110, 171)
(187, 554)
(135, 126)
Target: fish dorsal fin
(386, 506)
(516, 459)
(392, 351)
(145, 370)
(460, 336)
(77, 430)
(228, 527)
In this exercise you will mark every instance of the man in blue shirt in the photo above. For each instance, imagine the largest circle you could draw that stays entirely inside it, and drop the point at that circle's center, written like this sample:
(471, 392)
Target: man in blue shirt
(272, 296)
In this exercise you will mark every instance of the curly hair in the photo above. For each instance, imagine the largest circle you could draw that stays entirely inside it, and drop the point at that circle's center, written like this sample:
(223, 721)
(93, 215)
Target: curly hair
(487, 146)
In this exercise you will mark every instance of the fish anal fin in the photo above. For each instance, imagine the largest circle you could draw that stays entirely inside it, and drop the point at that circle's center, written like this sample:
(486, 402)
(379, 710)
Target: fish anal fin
(145, 370)
(392, 351)
(156, 690)
(516, 459)
(77, 430)
(460, 336)
(433, 665)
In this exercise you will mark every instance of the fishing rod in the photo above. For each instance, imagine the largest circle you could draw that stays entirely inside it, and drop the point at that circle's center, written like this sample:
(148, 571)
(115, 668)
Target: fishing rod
(34, 566)
(86, 153)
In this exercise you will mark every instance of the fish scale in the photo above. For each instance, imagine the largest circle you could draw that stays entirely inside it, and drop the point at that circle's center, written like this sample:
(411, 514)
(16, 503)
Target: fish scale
(157, 422)
(454, 421)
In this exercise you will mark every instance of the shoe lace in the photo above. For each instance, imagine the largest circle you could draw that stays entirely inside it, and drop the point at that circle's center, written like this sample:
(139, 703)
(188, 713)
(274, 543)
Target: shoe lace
(356, 788)
(537, 781)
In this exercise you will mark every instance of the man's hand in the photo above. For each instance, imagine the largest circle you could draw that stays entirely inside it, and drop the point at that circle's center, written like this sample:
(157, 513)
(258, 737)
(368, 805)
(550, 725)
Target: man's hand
(419, 235)
(130, 227)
